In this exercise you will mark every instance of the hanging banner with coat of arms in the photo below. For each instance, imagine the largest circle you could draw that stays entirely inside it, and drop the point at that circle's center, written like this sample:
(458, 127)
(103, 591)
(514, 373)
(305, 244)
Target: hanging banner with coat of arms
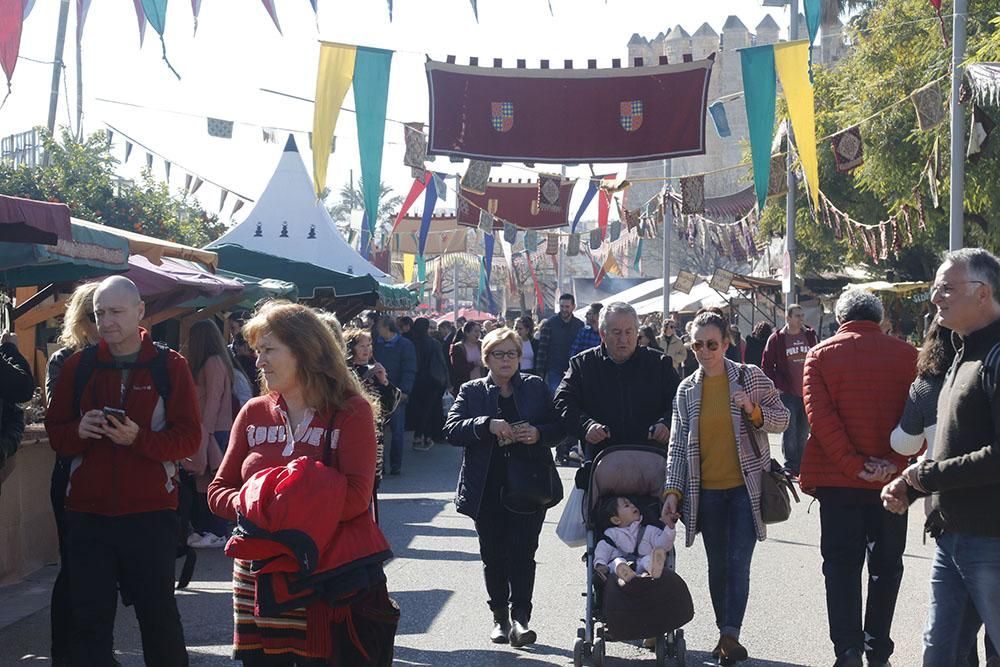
(569, 115)
(518, 203)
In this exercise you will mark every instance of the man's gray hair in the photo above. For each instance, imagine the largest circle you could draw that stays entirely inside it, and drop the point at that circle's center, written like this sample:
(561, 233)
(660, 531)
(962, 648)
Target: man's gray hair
(981, 265)
(858, 305)
(617, 308)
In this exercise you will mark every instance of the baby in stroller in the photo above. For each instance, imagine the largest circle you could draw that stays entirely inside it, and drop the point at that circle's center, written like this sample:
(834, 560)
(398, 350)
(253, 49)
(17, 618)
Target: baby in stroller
(627, 539)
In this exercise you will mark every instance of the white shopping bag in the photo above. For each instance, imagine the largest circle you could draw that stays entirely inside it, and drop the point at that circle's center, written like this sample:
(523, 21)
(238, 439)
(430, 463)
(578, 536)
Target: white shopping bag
(571, 528)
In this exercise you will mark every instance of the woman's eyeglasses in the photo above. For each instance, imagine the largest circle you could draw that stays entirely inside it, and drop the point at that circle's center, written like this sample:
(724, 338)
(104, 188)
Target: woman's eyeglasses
(92, 317)
(712, 345)
(501, 354)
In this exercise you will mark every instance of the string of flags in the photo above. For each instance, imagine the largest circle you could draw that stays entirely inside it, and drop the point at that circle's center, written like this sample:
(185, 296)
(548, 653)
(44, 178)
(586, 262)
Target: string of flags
(879, 240)
(192, 181)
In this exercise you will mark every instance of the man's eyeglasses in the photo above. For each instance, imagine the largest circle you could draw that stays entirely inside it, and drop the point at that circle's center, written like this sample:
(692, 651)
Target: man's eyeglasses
(697, 345)
(502, 354)
(947, 289)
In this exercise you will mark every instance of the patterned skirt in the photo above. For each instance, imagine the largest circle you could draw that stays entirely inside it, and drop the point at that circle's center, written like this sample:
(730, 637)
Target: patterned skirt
(254, 636)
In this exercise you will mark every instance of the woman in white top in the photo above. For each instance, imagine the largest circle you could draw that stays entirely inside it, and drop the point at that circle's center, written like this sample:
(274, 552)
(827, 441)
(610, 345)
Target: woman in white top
(525, 328)
(467, 357)
(919, 419)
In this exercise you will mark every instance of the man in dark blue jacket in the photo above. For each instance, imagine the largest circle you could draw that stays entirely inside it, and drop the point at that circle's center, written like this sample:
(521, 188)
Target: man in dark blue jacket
(399, 357)
(554, 342)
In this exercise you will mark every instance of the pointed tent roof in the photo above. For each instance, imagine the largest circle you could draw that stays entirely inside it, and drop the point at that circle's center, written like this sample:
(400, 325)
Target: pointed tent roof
(637, 39)
(287, 221)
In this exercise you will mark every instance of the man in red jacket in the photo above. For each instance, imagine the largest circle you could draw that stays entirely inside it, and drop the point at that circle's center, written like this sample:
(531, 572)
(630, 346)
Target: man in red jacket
(122, 497)
(856, 384)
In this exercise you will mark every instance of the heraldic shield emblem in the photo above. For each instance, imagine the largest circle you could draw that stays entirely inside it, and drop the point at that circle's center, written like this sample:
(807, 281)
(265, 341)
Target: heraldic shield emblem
(502, 116)
(631, 115)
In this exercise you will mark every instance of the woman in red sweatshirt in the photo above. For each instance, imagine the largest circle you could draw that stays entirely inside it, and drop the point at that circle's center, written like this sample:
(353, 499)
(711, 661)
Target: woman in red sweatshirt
(314, 407)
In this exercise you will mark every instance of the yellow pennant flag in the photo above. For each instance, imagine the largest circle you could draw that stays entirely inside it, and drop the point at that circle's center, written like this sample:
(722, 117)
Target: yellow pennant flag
(611, 265)
(791, 62)
(336, 71)
(408, 261)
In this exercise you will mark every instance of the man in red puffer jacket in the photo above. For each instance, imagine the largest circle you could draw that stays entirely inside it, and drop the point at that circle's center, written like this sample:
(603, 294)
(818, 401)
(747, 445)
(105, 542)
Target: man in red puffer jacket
(855, 385)
(122, 496)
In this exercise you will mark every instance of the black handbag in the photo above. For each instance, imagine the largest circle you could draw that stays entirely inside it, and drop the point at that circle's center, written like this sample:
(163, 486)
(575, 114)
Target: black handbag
(775, 484)
(533, 483)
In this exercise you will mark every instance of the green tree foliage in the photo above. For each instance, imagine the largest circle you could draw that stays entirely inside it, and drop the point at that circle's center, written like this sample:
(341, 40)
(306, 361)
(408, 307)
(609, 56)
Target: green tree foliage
(897, 48)
(81, 174)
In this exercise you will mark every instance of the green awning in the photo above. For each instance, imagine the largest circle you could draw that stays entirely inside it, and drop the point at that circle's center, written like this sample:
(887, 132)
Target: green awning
(254, 290)
(91, 253)
(310, 278)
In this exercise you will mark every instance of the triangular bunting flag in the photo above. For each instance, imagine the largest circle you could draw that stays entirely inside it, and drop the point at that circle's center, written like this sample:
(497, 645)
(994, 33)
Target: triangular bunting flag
(272, 12)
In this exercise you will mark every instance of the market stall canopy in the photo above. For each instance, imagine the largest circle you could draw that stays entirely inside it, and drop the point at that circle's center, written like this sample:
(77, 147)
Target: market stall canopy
(902, 289)
(88, 253)
(309, 278)
(174, 282)
(32, 221)
(254, 290)
(155, 249)
(287, 221)
(444, 236)
(701, 296)
(641, 292)
(470, 314)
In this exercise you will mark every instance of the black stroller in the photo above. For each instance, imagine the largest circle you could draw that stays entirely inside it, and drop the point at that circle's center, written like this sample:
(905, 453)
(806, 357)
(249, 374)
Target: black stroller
(636, 471)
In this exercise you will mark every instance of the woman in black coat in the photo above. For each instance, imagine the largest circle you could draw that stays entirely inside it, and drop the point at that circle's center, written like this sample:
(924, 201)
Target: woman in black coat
(424, 415)
(506, 414)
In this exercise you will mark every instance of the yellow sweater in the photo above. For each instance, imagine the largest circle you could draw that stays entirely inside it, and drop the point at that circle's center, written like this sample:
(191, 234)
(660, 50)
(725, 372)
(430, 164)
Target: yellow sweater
(720, 460)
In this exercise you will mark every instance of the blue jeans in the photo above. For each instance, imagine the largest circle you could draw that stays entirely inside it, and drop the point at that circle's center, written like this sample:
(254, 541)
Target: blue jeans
(397, 429)
(725, 519)
(965, 581)
(553, 378)
(793, 440)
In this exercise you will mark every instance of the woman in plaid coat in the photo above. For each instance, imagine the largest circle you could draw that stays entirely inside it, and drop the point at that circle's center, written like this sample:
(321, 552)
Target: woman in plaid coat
(713, 474)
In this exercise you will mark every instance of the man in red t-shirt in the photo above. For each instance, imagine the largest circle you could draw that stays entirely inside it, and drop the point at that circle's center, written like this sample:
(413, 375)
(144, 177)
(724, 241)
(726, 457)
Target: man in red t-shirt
(784, 360)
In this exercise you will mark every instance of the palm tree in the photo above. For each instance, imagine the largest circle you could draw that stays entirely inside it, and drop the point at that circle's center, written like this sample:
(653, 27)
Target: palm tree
(831, 10)
(352, 198)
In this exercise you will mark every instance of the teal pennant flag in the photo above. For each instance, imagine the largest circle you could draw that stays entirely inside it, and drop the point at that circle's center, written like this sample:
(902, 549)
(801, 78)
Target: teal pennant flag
(371, 95)
(813, 10)
(759, 90)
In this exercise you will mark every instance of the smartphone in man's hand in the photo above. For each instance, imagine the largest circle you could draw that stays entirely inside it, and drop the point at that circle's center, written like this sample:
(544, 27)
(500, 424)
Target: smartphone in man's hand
(115, 415)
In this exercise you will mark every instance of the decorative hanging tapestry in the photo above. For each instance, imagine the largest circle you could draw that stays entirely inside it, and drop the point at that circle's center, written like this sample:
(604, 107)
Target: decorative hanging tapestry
(548, 192)
(848, 151)
(517, 203)
(552, 244)
(476, 177)
(573, 245)
(693, 194)
(416, 145)
(568, 115)
(929, 105)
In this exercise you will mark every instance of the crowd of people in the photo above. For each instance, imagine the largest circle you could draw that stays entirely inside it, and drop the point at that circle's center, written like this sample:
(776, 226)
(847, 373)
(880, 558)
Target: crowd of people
(160, 451)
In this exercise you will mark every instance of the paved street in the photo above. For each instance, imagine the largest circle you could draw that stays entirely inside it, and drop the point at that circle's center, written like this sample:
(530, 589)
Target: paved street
(436, 578)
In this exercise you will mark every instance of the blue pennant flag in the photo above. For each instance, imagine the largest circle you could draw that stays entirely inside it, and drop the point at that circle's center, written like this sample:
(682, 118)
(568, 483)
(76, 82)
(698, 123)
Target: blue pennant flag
(430, 199)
